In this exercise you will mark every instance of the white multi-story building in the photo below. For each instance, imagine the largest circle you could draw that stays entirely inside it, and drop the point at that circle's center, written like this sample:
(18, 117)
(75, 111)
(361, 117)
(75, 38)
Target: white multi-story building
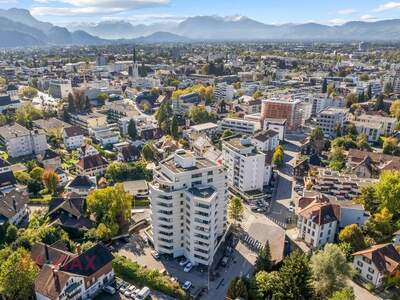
(188, 207)
(330, 119)
(60, 88)
(237, 125)
(20, 141)
(388, 124)
(377, 262)
(223, 91)
(73, 137)
(246, 167)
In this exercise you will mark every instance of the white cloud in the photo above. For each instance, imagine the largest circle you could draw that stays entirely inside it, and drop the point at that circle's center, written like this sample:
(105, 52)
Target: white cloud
(144, 18)
(336, 21)
(71, 12)
(347, 11)
(8, 1)
(368, 18)
(79, 8)
(388, 6)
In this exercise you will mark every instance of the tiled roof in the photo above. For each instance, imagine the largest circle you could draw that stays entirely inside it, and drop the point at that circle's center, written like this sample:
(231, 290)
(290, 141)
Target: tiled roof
(93, 161)
(384, 256)
(73, 131)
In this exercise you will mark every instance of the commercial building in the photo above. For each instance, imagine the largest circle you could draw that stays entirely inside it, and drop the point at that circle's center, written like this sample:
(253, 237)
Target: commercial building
(188, 207)
(223, 91)
(288, 109)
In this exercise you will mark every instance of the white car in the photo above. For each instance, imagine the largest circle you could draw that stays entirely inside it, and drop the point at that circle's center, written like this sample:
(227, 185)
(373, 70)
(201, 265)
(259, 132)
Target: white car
(183, 262)
(186, 285)
(188, 268)
(155, 254)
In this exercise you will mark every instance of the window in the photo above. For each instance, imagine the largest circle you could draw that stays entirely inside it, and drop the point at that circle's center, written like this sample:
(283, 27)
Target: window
(366, 260)
(371, 270)
(369, 277)
(360, 263)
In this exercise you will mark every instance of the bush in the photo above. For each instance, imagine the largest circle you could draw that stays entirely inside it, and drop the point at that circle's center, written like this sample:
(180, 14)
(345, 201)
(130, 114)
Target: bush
(134, 273)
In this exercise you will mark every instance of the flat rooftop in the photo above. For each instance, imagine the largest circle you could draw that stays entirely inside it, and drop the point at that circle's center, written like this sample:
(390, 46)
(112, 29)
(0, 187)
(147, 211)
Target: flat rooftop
(202, 192)
(200, 163)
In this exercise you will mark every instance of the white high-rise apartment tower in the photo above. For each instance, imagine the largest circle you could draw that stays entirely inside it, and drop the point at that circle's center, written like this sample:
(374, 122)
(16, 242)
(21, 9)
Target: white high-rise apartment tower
(188, 207)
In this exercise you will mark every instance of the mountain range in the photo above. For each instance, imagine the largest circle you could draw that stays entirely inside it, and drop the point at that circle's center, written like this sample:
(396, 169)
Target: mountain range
(18, 28)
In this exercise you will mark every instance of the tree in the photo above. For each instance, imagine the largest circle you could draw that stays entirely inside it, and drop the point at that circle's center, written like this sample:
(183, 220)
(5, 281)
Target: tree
(236, 209)
(395, 109)
(148, 152)
(174, 128)
(264, 261)
(380, 225)
(361, 97)
(163, 115)
(362, 142)
(390, 146)
(132, 131)
(330, 90)
(102, 97)
(277, 158)
(387, 191)
(344, 294)
(22, 177)
(37, 174)
(51, 181)
(237, 289)
(17, 274)
(351, 99)
(257, 95)
(25, 114)
(379, 104)
(336, 159)
(368, 199)
(266, 284)
(199, 115)
(295, 278)
(369, 92)
(364, 77)
(111, 207)
(324, 87)
(227, 133)
(34, 186)
(317, 138)
(330, 269)
(388, 88)
(353, 235)
(71, 103)
(29, 92)
(11, 233)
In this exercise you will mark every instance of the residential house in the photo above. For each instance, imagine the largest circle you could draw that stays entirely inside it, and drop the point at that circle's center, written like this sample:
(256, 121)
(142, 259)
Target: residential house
(128, 153)
(66, 275)
(49, 159)
(13, 206)
(137, 188)
(69, 213)
(81, 185)
(73, 137)
(377, 262)
(7, 178)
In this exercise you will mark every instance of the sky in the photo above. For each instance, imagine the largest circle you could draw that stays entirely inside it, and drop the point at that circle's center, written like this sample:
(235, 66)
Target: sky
(330, 12)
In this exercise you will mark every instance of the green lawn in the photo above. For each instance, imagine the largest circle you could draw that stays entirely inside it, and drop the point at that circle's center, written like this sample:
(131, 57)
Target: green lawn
(43, 199)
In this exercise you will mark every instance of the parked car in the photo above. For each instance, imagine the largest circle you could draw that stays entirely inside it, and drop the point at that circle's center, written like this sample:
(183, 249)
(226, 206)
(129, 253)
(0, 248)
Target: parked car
(183, 262)
(109, 290)
(187, 285)
(188, 268)
(155, 254)
(143, 293)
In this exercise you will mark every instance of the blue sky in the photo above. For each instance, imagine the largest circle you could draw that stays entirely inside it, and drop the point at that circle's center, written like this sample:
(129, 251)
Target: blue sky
(331, 12)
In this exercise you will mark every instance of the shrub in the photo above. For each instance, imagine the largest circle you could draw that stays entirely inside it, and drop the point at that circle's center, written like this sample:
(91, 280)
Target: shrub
(134, 273)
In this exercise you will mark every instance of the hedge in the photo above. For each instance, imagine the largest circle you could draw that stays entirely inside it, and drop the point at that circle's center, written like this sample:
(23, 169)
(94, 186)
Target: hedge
(136, 274)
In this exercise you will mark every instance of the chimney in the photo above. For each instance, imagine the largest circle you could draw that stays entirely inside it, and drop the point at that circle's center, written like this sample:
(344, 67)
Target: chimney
(78, 249)
(56, 279)
(46, 252)
(14, 203)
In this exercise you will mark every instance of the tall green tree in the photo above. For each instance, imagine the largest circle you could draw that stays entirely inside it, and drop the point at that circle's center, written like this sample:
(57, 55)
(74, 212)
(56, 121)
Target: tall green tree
(148, 152)
(237, 289)
(395, 109)
(318, 139)
(51, 181)
(379, 104)
(17, 274)
(174, 128)
(330, 270)
(324, 87)
(132, 131)
(295, 279)
(388, 192)
(264, 260)
(235, 209)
